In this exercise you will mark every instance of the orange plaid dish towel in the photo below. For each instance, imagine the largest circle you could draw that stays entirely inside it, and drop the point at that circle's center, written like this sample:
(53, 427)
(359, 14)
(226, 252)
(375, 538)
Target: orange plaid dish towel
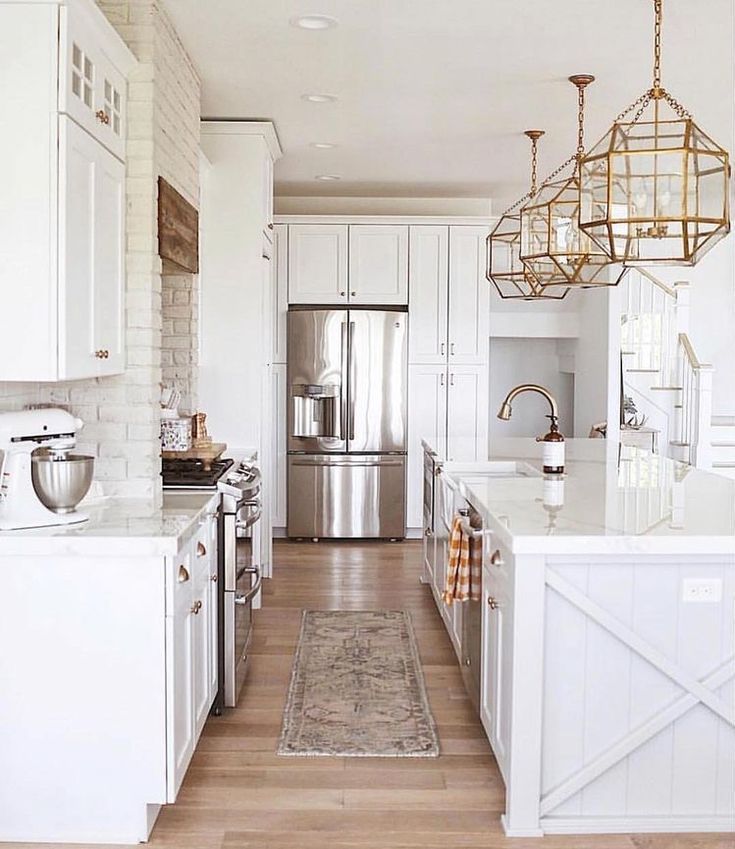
(464, 567)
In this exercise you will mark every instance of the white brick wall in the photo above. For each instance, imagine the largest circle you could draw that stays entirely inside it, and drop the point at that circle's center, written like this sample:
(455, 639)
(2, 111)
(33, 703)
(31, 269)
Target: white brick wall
(122, 413)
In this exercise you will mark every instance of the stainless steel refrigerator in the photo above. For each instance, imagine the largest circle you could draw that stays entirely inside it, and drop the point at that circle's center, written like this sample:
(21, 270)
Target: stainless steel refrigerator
(347, 379)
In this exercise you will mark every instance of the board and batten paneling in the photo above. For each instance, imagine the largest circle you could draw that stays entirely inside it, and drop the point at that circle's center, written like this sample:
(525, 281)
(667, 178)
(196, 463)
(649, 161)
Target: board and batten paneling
(628, 662)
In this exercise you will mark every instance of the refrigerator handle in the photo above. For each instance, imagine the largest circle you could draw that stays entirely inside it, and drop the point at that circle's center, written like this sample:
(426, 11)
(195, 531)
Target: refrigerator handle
(350, 336)
(343, 382)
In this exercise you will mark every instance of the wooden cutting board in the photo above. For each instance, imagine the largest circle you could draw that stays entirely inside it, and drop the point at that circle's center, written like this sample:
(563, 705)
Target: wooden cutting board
(207, 452)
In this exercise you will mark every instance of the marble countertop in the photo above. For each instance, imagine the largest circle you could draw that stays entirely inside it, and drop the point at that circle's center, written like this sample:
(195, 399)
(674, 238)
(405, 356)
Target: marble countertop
(611, 499)
(118, 526)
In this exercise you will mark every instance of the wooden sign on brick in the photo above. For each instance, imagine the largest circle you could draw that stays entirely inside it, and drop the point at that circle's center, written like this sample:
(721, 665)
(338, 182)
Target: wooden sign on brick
(178, 228)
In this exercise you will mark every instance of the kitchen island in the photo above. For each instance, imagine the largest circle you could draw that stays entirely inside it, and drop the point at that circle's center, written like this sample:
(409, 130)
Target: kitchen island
(607, 634)
(108, 664)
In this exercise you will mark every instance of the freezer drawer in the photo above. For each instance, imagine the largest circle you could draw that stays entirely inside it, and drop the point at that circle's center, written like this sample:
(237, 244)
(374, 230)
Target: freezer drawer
(347, 496)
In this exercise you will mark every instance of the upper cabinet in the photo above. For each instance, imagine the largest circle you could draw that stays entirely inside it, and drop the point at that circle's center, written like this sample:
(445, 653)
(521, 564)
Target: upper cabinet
(360, 264)
(317, 264)
(378, 267)
(62, 220)
(428, 263)
(469, 297)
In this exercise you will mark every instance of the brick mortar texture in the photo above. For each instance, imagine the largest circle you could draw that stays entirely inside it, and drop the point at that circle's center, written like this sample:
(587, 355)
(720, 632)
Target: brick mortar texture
(122, 412)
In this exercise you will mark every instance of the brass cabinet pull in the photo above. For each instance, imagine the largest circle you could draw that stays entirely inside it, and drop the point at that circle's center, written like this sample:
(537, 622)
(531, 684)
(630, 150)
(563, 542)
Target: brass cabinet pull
(352, 294)
(183, 575)
(493, 603)
(429, 532)
(201, 549)
(196, 607)
(451, 348)
(497, 558)
(341, 294)
(102, 116)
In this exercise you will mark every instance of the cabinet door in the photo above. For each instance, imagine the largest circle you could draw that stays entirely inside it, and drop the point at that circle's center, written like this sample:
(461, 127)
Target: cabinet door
(279, 271)
(201, 629)
(467, 412)
(91, 256)
(91, 90)
(109, 263)
(213, 599)
(497, 619)
(278, 501)
(268, 225)
(428, 294)
(378, 264)
(469, 297)
(427, 417)
(317, 264)
(180, 677)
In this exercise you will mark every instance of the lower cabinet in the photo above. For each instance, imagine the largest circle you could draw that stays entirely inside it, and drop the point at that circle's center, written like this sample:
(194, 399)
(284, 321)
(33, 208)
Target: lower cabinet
(497, 634)
(278, 373)
(191, 650)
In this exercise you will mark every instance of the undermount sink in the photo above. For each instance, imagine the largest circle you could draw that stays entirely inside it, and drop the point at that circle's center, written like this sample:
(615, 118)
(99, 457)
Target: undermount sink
(501, 469)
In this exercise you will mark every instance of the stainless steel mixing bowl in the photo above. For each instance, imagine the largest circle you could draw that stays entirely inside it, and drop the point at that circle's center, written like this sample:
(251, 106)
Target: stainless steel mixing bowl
(62, 483)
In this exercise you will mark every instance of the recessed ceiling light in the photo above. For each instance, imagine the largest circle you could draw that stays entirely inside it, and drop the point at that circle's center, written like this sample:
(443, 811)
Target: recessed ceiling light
(323, 145)
(313, 22)
(328, 178)
(319, 98)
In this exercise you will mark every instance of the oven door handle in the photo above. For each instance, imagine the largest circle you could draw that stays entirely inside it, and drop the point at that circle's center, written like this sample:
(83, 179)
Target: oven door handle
(246, 598)
(244, 524)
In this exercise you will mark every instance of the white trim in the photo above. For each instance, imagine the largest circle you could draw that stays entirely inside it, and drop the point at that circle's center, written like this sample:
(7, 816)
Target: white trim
(417, 220)
(238, 127)
(635, 825)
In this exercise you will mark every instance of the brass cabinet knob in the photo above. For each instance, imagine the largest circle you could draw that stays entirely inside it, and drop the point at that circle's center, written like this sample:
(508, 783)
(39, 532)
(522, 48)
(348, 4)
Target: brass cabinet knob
(270, 225)
(201, 549)
(107, 353)
(99, 354)
(497, 558)
(492, 603)
(429, 532)
(196, 607)
(213, 578)
(102, 116)
(183, 575)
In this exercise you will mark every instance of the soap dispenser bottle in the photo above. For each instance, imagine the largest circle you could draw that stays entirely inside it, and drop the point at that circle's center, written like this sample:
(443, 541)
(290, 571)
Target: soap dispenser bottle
(553, 449)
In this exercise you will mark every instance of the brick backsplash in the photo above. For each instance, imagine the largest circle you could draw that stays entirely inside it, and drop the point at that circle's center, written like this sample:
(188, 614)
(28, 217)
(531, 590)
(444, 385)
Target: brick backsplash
(121, 413)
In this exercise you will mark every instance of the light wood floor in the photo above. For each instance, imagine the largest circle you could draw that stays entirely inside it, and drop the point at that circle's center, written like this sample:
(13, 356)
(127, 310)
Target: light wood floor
(239, 795)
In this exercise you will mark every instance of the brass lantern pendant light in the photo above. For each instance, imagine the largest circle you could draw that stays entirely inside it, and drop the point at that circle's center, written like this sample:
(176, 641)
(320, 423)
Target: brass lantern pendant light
(504, 269)
(654, 190)
(554, 249)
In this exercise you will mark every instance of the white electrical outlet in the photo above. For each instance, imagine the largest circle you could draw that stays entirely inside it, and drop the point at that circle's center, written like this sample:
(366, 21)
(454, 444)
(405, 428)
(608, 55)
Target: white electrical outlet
(702, 590)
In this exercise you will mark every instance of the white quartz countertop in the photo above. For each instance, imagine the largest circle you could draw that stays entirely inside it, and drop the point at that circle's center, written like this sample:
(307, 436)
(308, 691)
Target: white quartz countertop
(611, 499)
(118, 527)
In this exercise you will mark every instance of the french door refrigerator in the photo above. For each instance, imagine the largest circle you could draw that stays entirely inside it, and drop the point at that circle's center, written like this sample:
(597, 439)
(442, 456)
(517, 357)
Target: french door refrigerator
(347, 380)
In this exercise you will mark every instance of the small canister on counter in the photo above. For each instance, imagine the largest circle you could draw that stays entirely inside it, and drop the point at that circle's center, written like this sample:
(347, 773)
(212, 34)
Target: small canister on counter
(176, 434)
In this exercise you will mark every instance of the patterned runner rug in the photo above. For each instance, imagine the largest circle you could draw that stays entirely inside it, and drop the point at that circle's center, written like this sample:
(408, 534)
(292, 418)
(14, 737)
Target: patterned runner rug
(357, 688)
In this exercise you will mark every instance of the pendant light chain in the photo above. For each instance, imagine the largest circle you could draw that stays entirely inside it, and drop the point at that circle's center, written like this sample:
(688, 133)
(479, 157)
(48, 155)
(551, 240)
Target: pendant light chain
(534, 164)
(657, 90)
(580, 126)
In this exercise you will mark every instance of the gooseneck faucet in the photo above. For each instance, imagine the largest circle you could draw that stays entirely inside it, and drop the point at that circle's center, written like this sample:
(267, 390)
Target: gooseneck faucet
(506, 408)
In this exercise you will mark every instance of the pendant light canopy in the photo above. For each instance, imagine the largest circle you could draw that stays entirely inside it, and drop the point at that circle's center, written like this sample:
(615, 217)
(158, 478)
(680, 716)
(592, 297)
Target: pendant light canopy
(504, 267)
(554, 249)
(655, 189)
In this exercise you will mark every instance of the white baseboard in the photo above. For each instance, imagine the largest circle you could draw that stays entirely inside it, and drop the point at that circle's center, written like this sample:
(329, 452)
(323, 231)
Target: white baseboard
(519, 832)
(635, 825)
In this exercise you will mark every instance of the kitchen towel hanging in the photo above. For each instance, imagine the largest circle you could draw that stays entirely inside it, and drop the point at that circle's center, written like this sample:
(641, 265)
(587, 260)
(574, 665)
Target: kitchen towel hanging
(464, 572)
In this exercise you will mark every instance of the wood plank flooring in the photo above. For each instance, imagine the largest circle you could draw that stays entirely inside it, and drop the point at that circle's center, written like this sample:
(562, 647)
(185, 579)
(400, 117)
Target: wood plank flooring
(239, 795)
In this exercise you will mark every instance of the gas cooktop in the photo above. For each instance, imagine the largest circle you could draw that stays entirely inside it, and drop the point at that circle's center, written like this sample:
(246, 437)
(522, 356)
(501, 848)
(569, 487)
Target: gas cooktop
(192, 474)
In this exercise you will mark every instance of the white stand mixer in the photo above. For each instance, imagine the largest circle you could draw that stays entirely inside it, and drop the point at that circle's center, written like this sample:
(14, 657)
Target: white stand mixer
(20, 434)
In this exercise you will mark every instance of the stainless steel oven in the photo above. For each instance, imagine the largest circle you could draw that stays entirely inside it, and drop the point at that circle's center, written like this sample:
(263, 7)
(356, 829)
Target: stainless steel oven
(241, 579)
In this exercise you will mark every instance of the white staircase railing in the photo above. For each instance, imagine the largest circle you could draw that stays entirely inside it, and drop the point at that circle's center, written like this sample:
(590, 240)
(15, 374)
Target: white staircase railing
(655, 341)
(695, 425)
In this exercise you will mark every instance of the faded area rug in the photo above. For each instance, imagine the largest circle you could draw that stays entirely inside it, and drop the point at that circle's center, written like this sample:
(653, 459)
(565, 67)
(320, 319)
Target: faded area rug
(357, 688)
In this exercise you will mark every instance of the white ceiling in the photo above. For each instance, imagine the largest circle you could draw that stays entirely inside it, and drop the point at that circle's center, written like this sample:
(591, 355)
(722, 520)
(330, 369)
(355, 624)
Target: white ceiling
(434, 94)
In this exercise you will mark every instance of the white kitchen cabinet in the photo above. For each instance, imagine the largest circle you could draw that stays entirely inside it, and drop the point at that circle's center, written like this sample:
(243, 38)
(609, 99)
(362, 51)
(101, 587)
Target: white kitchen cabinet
(278, 502)
(317, 264)
(467, 413)
(91, 256)
(267, 187)
(62, 220)
(92, 90)
(180, 674)
(428, 294)
(203, 614)
(469, 297)
(378, 264)
(209, 540)
(279, 278)
(497, 631)
(427, 416)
